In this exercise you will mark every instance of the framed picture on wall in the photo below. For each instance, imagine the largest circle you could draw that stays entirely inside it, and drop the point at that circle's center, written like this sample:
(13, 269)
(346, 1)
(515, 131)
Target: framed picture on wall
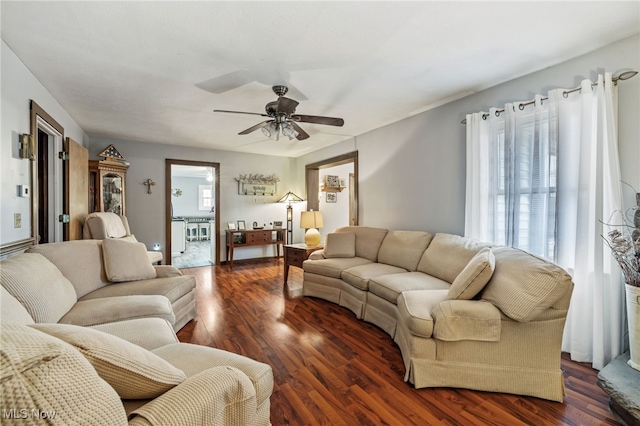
(241, 225)
(332, 181)
(277, 224)
(332, 197)
(231, 226)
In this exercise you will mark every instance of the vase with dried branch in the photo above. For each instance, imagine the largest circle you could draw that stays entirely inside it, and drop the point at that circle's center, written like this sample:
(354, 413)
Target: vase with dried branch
(624, 242)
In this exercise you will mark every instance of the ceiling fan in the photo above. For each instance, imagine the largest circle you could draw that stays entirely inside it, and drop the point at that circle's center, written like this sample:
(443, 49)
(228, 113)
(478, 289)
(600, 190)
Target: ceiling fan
(283, 118)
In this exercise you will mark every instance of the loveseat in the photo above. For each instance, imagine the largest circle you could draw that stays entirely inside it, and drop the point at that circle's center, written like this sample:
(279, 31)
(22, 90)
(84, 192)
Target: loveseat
(113, 358)
(464, 313)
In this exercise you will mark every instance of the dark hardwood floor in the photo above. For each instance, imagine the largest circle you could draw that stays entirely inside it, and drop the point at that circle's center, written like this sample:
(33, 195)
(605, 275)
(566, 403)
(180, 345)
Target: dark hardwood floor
(332, 369)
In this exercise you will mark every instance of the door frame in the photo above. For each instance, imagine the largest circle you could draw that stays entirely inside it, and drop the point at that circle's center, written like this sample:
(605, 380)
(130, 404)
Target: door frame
(40, 119)
(167, 204)
(312, 181)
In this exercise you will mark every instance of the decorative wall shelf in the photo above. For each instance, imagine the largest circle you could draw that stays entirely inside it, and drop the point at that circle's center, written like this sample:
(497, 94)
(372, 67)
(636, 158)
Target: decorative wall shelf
(332, 188)
(256, 184)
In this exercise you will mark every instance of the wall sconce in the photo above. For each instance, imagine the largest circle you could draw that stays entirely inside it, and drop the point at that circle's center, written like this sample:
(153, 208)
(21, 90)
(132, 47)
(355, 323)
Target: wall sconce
(27, 146)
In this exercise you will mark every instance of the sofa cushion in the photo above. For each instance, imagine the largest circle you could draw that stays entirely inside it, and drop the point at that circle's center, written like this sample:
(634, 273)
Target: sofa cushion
(173, 288)
(523, 285)
(134, 372)
(11, 310)
(404, 248)
(368, 240)
(119, 308)
(42, 372)
(448, 254)
(414, 310)
(474, 276)
(80, 261)
(126, 261)
(359, 276)
(390, 286)
(457, 320)
(332, 267)
(38, 285)
(149, 333)
(340, 244)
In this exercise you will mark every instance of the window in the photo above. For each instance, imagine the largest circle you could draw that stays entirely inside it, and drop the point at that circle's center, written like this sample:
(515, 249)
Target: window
(514, 174)
(526, 185)
(205, 197)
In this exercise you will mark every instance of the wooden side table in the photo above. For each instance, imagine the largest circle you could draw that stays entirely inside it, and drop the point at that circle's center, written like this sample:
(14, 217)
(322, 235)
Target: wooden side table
(256, 237)
(295, 254)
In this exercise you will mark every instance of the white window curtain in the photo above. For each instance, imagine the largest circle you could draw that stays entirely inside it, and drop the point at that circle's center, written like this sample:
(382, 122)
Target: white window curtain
(511, 176)
(543, 177)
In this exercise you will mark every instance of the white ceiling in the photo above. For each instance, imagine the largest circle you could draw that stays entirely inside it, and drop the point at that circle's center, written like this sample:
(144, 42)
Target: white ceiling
(130, 70)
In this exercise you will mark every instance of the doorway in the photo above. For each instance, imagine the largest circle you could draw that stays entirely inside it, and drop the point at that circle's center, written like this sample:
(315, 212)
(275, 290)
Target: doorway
(192, 212)
(47, 178)
(346, 169)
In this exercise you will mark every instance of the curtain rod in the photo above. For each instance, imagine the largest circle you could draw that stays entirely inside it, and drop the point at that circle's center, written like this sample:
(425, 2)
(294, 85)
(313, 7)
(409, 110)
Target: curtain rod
(626, 75)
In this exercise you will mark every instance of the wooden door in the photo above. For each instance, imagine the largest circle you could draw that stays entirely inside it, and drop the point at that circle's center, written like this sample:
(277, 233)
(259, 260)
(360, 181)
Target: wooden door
(76, 188)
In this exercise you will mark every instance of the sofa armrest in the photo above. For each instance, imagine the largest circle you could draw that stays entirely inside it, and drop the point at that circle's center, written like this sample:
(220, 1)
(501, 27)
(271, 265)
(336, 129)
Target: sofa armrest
(164, 271)
(456, 320)
(219, 395)
(317, 255)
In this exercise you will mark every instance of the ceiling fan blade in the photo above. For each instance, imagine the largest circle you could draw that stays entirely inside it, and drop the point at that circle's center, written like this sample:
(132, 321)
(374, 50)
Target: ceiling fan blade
(286, 105)
(254, 128)
(316, 119)
(302, 135)
(226, 82)
(240, 112)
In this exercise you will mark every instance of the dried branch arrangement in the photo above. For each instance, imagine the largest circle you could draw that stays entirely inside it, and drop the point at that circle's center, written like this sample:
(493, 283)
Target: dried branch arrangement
(624, 242)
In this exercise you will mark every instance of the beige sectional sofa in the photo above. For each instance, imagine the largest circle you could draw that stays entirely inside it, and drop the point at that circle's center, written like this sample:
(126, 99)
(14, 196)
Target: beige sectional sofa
(464, 313)
(113, 280)
(78, 349)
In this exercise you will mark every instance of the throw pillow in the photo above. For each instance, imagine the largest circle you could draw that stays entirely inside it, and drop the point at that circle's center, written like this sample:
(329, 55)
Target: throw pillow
(340, 244)
(134, 372)
(45, 373)
(474, 276)
(126, 261)
(38, 285)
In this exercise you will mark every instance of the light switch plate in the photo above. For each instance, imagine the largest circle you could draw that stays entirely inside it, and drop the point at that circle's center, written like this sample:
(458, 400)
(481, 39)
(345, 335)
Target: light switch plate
(23, 190)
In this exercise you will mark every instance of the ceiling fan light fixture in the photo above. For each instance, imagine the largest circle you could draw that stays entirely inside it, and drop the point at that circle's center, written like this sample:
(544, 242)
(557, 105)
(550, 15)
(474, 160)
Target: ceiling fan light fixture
(288, 130)
(271, 131)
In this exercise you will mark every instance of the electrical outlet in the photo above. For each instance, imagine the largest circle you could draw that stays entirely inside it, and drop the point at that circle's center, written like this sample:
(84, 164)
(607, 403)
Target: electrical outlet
(17, 220)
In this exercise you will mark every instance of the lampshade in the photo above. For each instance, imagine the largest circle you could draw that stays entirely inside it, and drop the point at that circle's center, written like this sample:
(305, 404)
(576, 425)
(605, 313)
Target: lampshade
(288, 130)
(271, 131)
(311, 221)
(290, 197)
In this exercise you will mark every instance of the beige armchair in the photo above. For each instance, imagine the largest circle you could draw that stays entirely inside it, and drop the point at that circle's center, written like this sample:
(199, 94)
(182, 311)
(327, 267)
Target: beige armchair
(103, 225)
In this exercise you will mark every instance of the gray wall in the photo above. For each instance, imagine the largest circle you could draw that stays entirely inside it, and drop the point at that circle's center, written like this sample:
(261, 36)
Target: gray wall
(188, 203)
(146, 212)
(19, 86)
(412, 173)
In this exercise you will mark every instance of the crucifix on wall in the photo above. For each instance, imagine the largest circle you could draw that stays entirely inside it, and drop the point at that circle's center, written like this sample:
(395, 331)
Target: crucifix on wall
(149, 183)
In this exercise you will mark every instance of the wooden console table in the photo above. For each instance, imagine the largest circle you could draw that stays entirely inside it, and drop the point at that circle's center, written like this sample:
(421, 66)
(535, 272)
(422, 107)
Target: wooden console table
(256, 237)
(295, 254)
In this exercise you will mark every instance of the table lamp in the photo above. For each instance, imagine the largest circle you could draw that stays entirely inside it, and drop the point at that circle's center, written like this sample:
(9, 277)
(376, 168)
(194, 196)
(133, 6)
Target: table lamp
(311, 221)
